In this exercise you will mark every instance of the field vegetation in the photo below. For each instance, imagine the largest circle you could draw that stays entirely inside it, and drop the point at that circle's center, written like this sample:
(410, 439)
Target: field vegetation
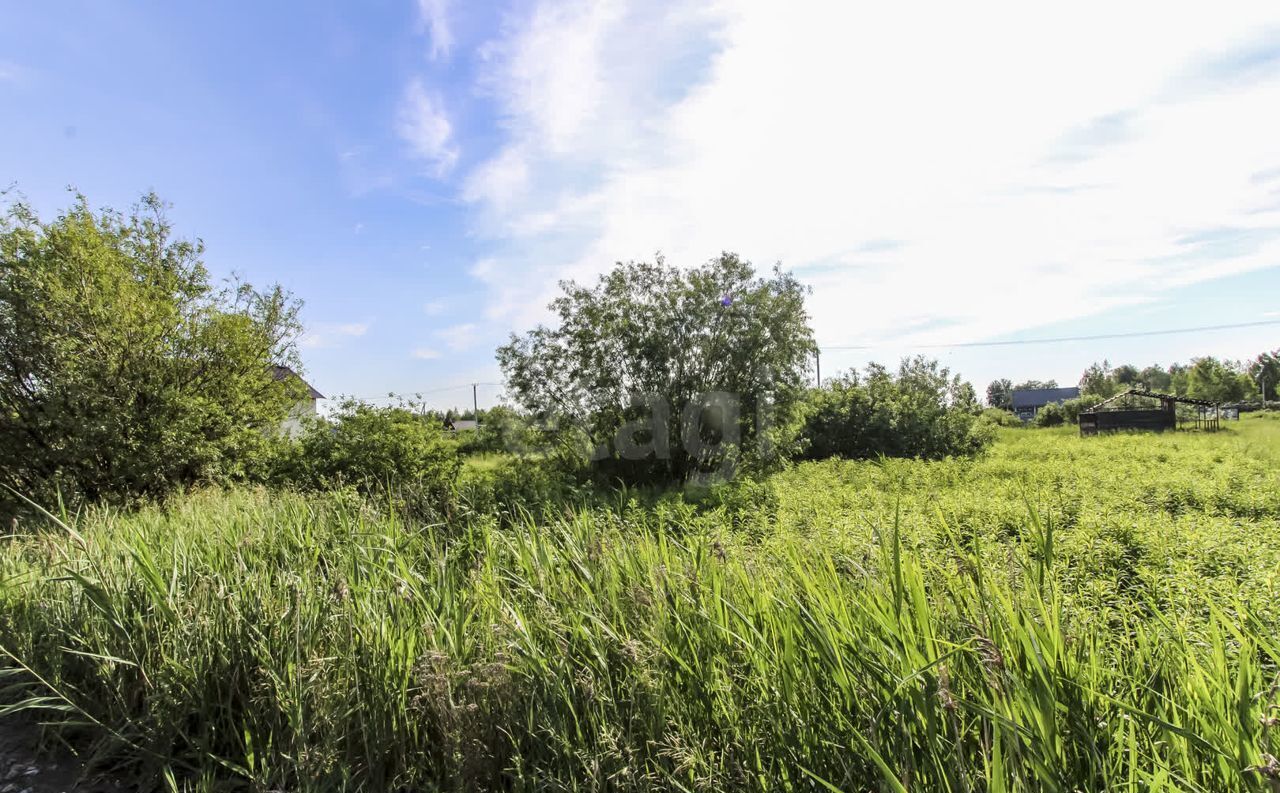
(1058, 613)
(669, 564)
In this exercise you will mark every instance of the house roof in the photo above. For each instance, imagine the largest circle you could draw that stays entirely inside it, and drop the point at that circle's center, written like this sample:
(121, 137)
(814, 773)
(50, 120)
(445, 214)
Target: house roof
(1204, 403)
(1039, 397)
(284, 373)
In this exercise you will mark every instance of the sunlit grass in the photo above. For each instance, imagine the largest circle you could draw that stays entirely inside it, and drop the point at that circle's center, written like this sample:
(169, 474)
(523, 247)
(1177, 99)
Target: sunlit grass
(1062, 614)
(488, 461)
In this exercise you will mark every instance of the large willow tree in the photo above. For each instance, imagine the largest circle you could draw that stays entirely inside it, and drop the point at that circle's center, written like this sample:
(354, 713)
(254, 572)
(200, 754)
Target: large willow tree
(670, 372)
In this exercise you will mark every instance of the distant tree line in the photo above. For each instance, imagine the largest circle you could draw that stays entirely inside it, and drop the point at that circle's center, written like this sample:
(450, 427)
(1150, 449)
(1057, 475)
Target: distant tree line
(1209, 378)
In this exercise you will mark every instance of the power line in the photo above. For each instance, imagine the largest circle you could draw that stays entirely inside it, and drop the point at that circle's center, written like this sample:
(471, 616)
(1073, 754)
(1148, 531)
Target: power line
(1009, 343)
(1060, 339)
(422, 391)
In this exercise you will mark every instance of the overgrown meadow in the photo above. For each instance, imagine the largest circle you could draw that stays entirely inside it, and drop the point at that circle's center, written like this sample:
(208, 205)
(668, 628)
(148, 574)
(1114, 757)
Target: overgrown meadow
(1057, 614)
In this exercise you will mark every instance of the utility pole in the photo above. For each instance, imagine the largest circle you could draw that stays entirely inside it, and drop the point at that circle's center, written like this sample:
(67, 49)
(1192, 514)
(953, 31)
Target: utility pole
(1262, 386)
(817, 359)
(475, 405)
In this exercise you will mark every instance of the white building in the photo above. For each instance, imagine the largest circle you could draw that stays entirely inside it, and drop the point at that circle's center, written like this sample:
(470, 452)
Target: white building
(293, 424)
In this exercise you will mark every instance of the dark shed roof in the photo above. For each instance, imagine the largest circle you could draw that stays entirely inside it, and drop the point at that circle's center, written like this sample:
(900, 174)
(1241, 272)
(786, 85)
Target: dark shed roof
(284, 373)
(1204, 403)
(1039, 397)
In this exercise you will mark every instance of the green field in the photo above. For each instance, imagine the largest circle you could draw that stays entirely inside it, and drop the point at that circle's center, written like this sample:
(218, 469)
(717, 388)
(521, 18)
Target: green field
(1058, 614)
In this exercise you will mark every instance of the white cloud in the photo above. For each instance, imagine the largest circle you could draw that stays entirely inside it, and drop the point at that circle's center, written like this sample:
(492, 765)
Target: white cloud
(458, 337)
(454, 339)
(425, 127)
(500, 181)
(330, 334)
(972, 170)
(12, 73)
(434, 308)
(435, 17)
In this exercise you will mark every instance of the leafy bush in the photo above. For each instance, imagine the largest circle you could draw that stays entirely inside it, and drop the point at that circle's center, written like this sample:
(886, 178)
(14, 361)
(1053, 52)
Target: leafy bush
(1001, 417)
(1072, 408)
(371, 448)
(1051, 415)
(517, 487)
(126, 371)
(922, 411)
(501, 429)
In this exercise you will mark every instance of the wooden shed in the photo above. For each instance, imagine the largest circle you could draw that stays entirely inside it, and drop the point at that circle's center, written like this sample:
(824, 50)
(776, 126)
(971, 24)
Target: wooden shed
(1139, 409)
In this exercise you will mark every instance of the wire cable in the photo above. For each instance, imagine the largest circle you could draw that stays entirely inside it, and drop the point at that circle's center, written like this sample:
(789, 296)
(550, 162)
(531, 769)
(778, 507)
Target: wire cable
(1060, 339)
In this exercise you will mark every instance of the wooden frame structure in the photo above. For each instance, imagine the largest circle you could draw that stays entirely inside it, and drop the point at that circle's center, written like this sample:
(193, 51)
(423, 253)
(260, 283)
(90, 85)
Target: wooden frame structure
(1121, 412)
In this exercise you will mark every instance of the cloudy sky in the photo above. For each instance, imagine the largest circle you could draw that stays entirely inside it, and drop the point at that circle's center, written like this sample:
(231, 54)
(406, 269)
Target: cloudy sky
(423, 173)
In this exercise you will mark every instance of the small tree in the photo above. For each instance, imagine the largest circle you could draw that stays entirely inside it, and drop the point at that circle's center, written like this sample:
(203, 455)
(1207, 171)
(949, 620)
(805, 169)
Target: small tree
(1000, 394)
(1099, 379)
(1215, 380)
(1155, 378)
(669, 372)
(1126, 375)
(1264, 371)
(123, 370)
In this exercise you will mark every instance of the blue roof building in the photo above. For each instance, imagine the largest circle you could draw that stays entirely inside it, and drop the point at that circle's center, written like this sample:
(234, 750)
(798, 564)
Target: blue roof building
(1028, 401)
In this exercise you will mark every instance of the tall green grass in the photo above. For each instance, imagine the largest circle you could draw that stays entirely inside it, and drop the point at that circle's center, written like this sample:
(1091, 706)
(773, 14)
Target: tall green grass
(1064, 614)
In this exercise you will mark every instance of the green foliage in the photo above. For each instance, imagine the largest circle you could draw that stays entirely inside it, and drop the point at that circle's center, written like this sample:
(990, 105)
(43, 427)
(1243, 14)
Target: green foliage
(1051, 415)
(371, 448)
(502, 430)
(1000, 417)
(1155, 378)
(515, 487)
(1000, 394)
(922, 411)
(1265, 371)
(635, 363)
(1072, 408)
(1035, 385)
(123, 371)
(1100, 379)
(1217, 381)
(1205, 378)
(1060, 614)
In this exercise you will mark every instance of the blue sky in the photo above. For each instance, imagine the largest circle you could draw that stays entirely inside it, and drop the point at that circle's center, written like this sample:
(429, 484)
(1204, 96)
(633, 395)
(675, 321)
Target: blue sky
(422, 173)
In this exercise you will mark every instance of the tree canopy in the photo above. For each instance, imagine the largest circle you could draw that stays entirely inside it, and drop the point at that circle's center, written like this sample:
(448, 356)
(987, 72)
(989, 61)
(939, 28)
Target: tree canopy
(123, 370)
(1216, 380)
(669, 371)
(1035, 385)
(1000, 394)
(1264, 372)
